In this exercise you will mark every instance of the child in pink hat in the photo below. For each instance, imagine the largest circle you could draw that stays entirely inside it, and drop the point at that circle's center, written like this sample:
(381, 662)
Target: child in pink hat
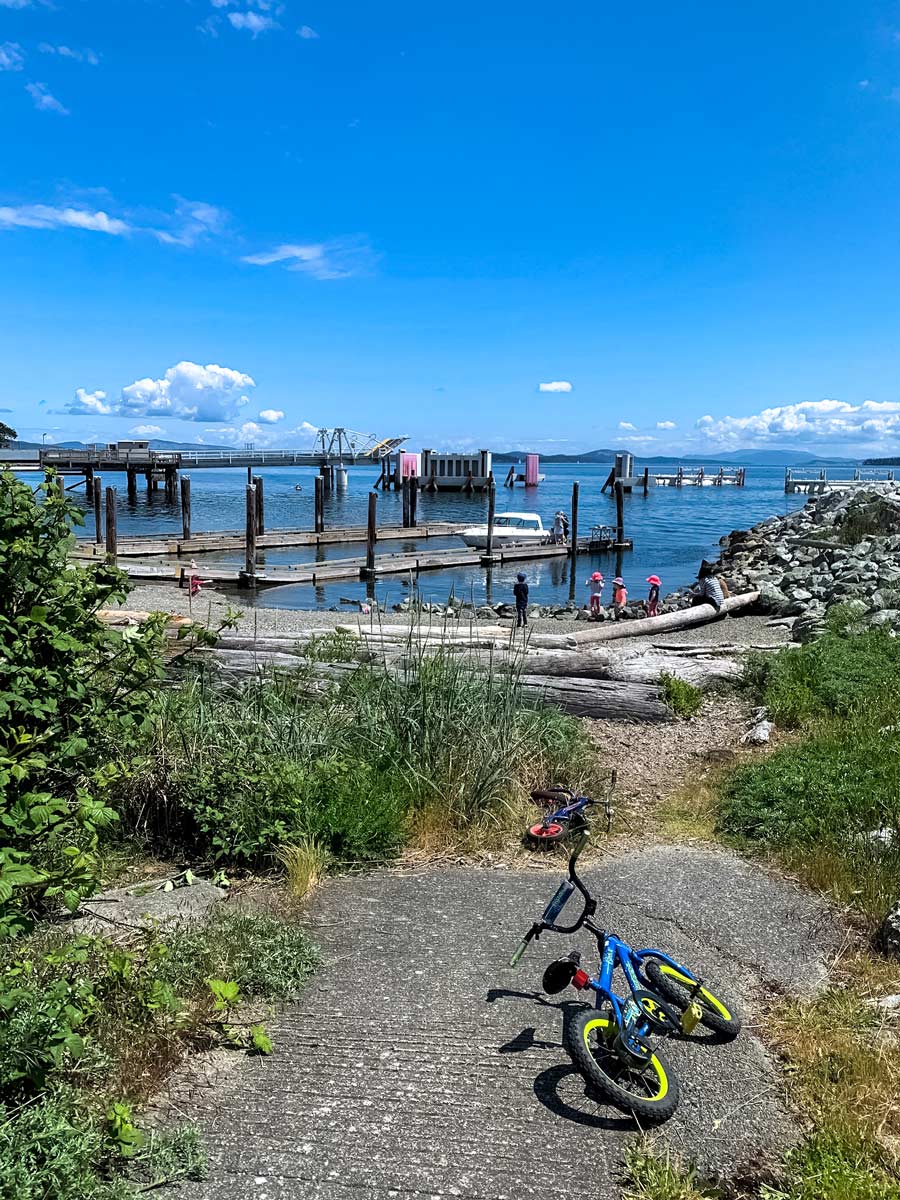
(620, 596)
(653, 596)
(595, 584)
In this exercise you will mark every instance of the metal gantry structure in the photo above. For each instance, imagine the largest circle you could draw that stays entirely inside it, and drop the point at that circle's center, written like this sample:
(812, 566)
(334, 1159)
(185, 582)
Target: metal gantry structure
(343, 443)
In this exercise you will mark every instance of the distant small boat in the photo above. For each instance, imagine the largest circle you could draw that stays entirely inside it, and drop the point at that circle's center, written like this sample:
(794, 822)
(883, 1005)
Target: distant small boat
(510, 529)
(297, 487)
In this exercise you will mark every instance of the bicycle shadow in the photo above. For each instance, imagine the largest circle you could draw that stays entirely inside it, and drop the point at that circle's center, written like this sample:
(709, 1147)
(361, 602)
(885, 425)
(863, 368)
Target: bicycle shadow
(581, 1109)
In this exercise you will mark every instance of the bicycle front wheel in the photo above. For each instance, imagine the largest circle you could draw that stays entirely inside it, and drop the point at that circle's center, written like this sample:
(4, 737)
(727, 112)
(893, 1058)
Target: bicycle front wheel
(678, 988)
(648, 1090)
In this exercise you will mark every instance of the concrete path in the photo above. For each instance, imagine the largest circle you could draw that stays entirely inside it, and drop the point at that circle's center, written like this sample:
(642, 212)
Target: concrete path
(419, 1065)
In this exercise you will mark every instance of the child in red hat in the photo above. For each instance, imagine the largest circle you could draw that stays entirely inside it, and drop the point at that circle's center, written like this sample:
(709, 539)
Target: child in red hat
(620, 596)
(653, 597)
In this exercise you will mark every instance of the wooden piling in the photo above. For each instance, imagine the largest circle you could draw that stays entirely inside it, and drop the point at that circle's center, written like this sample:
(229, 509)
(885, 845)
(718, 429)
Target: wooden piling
(319, 522)
(610, 480)
(413, 500)
(249, 477)
(573, 524)
(131, 475)
(371, 534)
(405, 504)
(492, 504)
(111, 531)
(260, 504)
(248, 575)
(510, 477)
(98, 523)
(620, 511)
(186, 507)
(646, 480)
(89, 484)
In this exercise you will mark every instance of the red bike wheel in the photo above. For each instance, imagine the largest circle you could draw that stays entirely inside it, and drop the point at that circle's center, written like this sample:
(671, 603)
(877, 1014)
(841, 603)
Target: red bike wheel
(544, 836)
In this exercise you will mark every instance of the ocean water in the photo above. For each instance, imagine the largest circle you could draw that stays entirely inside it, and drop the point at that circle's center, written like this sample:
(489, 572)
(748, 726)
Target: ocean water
(672, 528)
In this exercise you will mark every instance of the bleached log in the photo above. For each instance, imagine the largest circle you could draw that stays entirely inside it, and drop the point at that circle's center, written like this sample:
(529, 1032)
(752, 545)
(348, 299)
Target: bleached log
(685, 618)
(647, 668)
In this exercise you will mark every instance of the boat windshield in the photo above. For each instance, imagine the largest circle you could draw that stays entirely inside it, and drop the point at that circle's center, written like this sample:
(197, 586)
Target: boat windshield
(513, 522)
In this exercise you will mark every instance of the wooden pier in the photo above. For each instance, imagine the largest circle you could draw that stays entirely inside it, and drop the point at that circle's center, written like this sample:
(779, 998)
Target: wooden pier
(699, 478)
(362, 567)
(206, 543)
(819, 485)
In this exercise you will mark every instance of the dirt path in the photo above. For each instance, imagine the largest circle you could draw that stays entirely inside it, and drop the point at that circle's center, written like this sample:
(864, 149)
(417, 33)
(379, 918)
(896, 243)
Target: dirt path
(419, 1065)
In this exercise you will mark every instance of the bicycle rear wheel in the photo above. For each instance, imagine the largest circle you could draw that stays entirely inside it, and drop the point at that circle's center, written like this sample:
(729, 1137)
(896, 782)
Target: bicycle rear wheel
(679, 988)
(648, 1090)
(542, 836)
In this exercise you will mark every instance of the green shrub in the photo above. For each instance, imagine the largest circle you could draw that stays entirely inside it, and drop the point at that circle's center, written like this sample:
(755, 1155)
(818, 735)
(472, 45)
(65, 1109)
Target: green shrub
(867, 519)
(73, 697)
(683, 698)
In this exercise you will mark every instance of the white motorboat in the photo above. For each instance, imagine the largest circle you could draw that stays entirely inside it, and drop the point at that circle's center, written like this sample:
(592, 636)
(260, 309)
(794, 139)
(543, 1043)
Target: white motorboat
(510, 529)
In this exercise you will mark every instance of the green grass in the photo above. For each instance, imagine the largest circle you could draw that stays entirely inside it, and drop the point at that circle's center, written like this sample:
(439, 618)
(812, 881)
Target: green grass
(58, 1148)
(683, 698)
(234, 774)
(828, 801)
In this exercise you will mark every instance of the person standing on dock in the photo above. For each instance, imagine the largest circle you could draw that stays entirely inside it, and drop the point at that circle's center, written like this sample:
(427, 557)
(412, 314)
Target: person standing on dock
(620, 596)
(595, 584)
(520, 592)
(653, 595)
(559, 529)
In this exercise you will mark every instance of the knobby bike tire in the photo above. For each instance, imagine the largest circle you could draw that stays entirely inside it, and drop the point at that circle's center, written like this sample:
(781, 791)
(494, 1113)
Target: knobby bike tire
(718, 1014)
(651, 1093)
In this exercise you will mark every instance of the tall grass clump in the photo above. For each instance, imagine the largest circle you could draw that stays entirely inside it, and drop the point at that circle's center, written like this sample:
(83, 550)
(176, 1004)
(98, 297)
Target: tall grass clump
(234, 773)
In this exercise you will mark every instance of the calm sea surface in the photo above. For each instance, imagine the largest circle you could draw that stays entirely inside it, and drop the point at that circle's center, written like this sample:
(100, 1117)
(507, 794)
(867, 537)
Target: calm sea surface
(673, 528)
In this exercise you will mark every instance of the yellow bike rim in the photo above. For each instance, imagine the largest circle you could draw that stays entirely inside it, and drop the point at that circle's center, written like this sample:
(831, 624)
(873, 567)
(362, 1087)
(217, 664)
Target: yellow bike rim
(714, 1004)
(603, 1024)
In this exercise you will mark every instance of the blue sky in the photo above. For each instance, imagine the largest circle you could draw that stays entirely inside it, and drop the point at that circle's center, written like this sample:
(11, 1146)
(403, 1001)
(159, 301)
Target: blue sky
(406, 219)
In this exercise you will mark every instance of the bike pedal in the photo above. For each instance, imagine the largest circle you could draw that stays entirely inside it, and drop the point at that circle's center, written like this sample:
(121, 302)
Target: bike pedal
(691, 1018)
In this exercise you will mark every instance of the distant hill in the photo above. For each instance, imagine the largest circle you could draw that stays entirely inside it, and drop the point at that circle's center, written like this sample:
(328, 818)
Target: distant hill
(882, 462)
(742, 458)
(19, 444)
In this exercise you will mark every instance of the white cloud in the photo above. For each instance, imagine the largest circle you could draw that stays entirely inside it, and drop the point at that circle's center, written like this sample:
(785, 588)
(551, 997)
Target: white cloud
(341, 258)
(306, 32)
(46, 216)
(44, 101)
(11, 56)
(863, 84)
(871, 423)
(556, 385)
(252, 22)
(299, 437)
(18, 3)
(191, 221)
(86, 56)
(89, 404)
(666, 425)
(146, 430)
(628, 425)
(190, 392)
(269, 416)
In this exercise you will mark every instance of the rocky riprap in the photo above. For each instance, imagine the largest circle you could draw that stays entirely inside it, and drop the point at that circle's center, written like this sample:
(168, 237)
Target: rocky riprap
(807, 562)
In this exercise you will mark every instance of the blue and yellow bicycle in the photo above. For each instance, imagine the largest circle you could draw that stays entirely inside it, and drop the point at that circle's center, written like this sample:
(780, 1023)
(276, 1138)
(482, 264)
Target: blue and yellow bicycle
(614, 1043)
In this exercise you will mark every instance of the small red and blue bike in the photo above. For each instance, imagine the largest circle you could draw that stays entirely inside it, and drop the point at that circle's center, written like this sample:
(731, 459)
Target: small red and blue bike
(614, 1043)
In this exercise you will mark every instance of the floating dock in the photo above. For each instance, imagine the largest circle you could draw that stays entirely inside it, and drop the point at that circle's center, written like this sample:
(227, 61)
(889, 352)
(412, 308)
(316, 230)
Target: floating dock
(356, 568)
(819, 485)
(206, 543)
(699, 478)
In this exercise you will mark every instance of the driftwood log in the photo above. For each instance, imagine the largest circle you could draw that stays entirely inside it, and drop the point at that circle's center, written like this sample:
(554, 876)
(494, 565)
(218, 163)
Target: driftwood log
(685, 618)
(598, 698)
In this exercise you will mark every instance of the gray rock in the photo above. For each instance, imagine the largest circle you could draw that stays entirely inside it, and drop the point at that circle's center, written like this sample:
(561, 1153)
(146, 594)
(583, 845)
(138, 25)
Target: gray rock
(145, 906)
(888, 937)
(886, 618)
(759, 734)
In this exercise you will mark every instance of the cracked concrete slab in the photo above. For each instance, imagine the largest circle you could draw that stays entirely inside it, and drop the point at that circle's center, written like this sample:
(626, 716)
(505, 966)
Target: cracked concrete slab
(418, 1064)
